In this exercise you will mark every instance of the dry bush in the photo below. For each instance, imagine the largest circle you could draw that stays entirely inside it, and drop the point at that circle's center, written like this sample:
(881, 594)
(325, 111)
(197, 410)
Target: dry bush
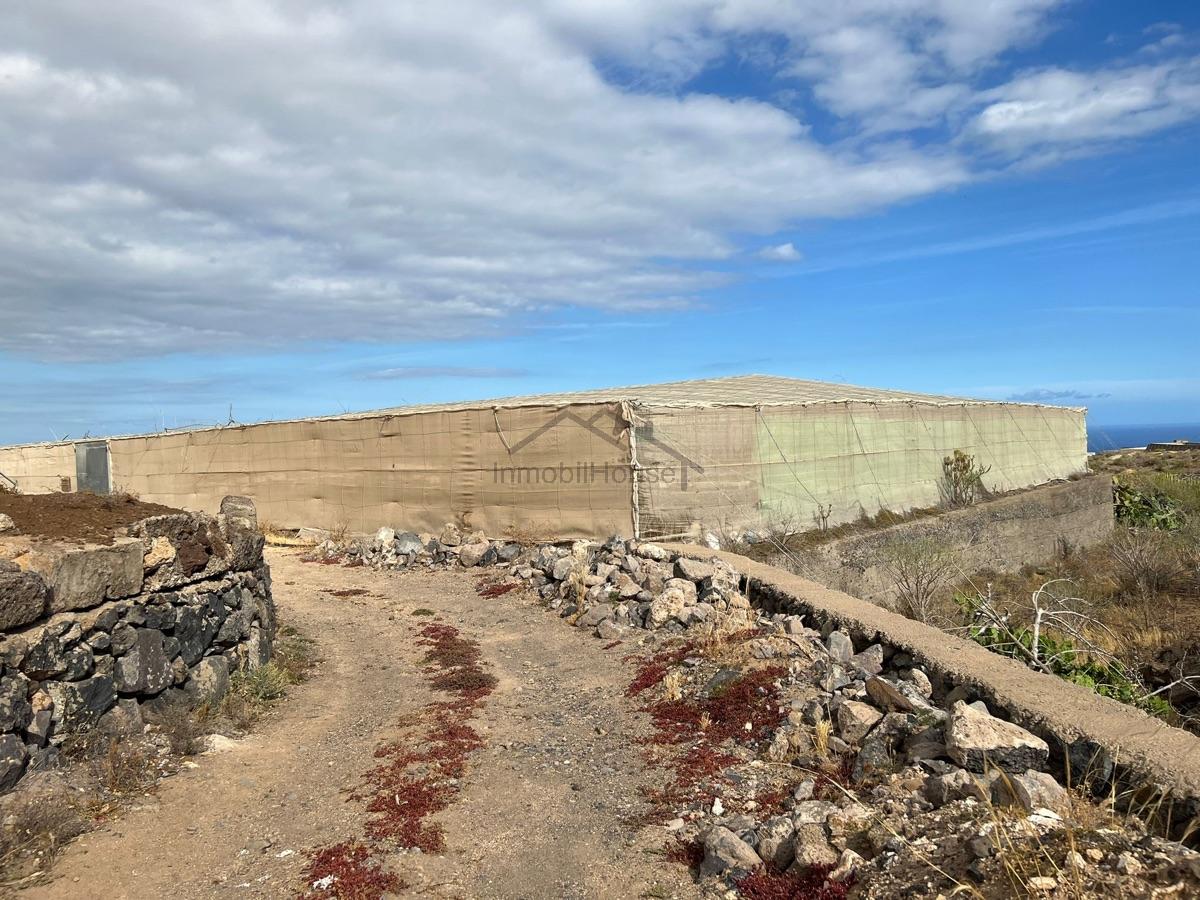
(295, 654)
(920, 567)
(530, 534)
(340, 533)
(183, 727)
(1146, 563)
(37, 825)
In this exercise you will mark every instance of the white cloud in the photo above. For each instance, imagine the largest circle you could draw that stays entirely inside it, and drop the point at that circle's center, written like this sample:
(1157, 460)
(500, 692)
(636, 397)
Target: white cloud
(244, 172)
(781, 253)
(1061, 107)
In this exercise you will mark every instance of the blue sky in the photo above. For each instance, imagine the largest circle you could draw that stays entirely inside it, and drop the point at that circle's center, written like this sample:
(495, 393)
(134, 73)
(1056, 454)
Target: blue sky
(337, 208)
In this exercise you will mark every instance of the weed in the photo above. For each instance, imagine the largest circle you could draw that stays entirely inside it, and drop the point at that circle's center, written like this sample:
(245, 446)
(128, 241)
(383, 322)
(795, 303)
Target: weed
(653, 670)
(686, 853)
(38, 828)
(811, 884)
(919, 566)
(347, 871)
(499, 589)
(346, 592)
(295, 654)
(422, 611)
(182, 727)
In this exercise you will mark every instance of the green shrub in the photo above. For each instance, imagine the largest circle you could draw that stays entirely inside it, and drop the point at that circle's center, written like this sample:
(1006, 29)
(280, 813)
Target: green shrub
(1140, 501)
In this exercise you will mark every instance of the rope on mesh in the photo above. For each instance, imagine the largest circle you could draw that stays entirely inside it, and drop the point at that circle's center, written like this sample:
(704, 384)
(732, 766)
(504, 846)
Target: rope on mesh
(783, 456)
(635, 467)
(801, 565)
(1054, 437)
(500, 430)
(1049, 471)
(866, 458)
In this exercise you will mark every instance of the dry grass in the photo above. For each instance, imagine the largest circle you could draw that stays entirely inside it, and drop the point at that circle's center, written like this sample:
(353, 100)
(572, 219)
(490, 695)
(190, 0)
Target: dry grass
(530, 534)
(36, 828)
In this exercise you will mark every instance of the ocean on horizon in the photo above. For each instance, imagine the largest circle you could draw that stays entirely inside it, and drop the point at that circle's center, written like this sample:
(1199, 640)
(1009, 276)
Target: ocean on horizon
(1120, 437)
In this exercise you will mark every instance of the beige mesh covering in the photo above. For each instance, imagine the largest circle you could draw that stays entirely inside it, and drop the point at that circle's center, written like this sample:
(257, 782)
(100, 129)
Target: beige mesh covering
(38, 468)
(731, 452)
(782, 465)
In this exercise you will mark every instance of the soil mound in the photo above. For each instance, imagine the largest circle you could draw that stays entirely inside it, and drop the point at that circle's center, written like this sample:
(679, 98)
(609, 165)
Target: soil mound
(93, 518)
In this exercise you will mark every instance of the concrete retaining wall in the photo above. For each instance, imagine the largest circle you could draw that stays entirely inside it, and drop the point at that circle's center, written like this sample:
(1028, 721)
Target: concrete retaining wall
(1148, 761)
(96, 637)
(1003, 534)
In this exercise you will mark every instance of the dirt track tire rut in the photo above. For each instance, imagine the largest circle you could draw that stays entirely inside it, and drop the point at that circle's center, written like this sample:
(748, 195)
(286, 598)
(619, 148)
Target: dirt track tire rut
(541, 813)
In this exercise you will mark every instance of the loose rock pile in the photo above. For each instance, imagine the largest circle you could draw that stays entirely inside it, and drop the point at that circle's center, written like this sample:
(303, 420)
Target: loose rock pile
(874, 771)
(99, 638)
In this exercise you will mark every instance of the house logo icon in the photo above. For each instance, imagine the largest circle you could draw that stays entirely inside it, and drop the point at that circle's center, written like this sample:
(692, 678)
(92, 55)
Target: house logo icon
(607, 426)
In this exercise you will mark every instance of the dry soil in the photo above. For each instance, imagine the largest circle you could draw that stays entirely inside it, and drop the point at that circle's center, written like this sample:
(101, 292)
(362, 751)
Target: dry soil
(543, 808)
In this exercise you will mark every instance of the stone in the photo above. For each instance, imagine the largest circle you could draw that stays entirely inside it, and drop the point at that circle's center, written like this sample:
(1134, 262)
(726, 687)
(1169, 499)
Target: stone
(887, 696)
(470, 555)
(976, 740)
(594, 615)
(241, 511)
(775, 846)
(958, 784)
(6, 523)
(124, 718)
(921, 682)
(144, 669)
(693, 569)
(450, 536)
(1029, 790)
(840, 647)
(811, 847)
(608, 630)
(562, 568)
(12, 761)
(15, 708)
(870, 660)
(83, 578)
(652, 552)
(856, 719)
(848, 863)
(408, 543)
(23, 599)
(385, 536)
(78, 705)
(724, 851)
(46, 657)
(208, 680)
(161, 551)
(664, 608)
(812, 812)
(41, 721)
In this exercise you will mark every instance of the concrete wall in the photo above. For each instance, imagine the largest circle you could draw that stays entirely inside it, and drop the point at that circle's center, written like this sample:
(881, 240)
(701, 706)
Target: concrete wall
(1003, 534)
(1143, 760)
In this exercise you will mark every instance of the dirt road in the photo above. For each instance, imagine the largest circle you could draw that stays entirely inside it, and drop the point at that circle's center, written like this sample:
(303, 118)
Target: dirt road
(540, 815)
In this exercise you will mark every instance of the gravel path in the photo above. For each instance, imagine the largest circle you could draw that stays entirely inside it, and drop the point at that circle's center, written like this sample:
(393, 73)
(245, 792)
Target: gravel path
(542, 810)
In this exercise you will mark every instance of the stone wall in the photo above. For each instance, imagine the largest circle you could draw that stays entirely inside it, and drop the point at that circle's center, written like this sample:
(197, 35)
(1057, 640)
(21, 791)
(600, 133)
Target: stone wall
(1003, 535)
(101, 637)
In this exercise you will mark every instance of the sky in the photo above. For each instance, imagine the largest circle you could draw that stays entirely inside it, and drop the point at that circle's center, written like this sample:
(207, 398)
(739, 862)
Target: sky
(246, 210)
